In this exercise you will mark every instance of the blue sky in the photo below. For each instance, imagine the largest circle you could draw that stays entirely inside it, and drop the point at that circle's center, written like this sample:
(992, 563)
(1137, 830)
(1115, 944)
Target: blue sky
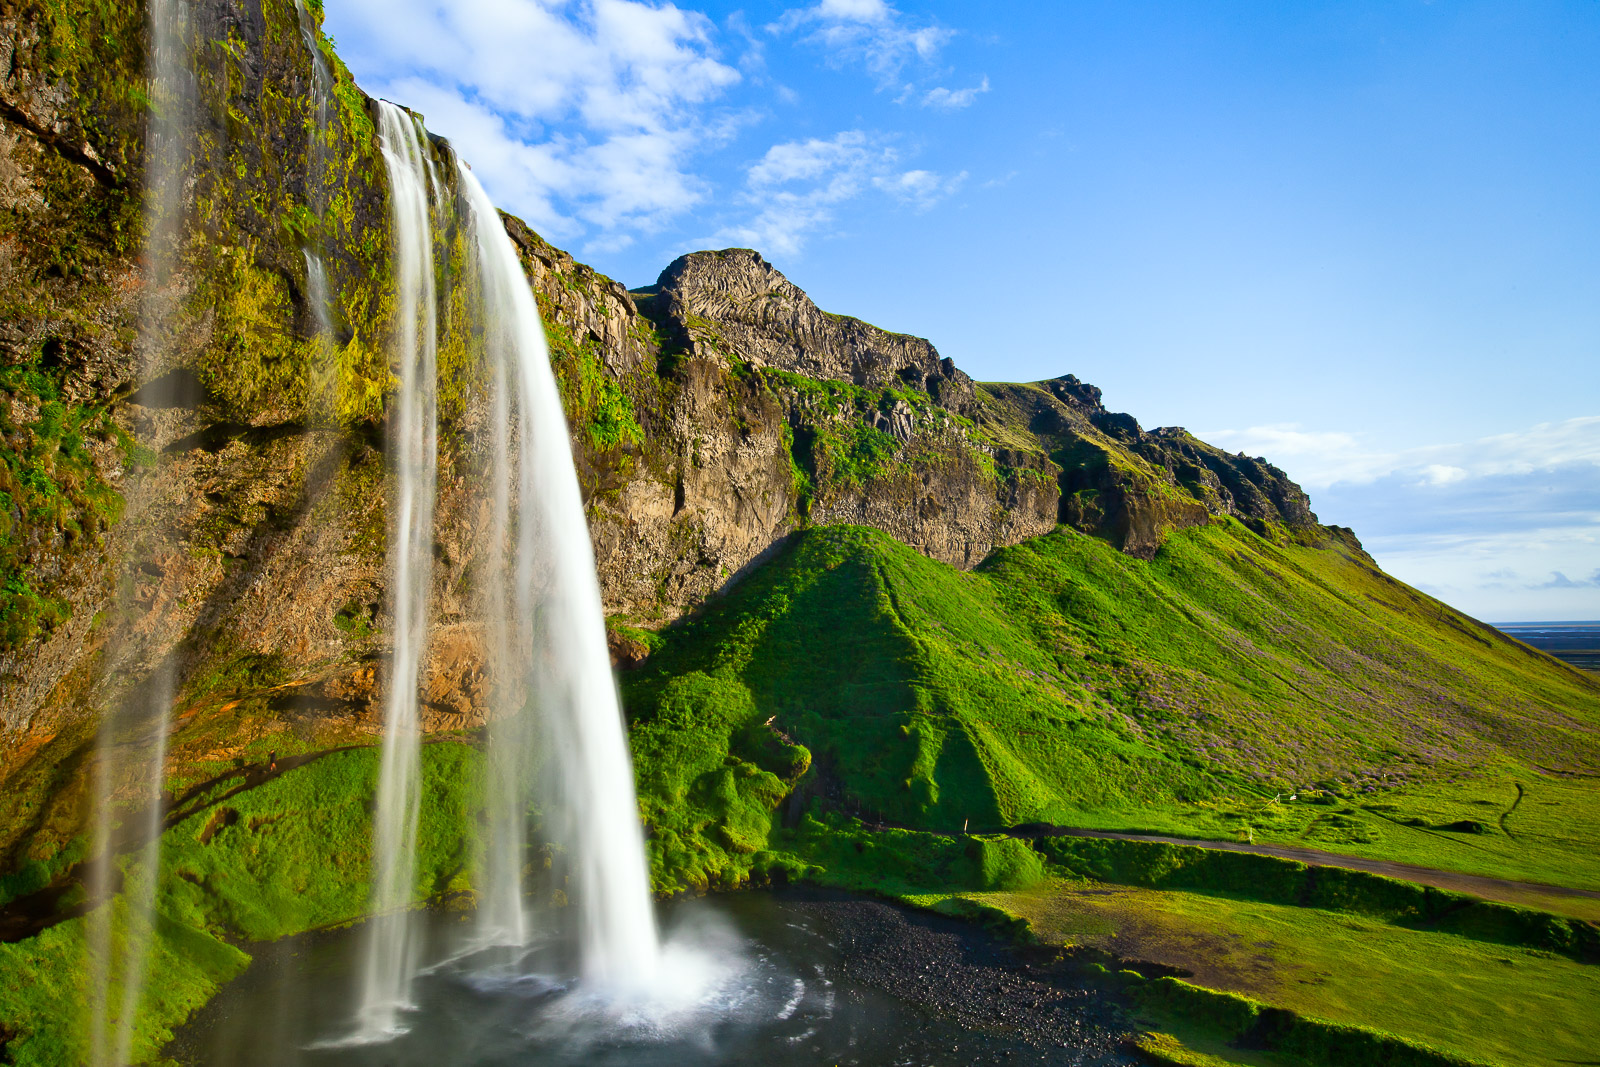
(1361, 239)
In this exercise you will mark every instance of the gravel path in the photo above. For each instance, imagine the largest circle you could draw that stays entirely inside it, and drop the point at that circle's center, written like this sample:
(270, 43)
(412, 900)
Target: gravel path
(1503, 889)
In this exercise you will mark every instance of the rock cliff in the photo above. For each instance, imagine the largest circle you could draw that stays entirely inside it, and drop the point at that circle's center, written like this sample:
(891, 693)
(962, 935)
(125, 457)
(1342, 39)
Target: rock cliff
(231, 481)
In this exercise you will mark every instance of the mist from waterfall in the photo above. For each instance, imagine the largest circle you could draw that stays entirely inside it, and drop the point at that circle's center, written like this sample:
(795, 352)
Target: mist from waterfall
(390, 952)
(131, 746)
(555, 717)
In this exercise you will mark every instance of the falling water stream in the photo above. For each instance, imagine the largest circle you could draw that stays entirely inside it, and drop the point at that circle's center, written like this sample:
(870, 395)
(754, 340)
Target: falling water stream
(131, 752)
(390, 953)
(555, 716)
(318, 295)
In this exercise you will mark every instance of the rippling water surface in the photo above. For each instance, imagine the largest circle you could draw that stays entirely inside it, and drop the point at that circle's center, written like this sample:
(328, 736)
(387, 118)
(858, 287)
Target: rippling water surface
(769, 979)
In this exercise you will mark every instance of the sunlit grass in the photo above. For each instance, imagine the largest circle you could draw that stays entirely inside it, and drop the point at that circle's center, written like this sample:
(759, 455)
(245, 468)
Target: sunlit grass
(1508, 1005)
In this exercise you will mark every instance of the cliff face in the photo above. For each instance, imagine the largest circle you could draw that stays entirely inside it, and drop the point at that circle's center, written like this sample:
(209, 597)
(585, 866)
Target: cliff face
(750, 414)
(231, 481)
(207, 496)
(736, 304)
(1131, 485)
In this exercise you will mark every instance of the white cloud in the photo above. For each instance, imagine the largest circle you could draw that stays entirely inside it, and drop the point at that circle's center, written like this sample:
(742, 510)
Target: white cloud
(872, 11)
(1442, 474)
(1462, 521)
(920, 188)
(1320, 458)
(869, 32)
(843, 156)
(954, 99)
(796, 186)
(581, 115)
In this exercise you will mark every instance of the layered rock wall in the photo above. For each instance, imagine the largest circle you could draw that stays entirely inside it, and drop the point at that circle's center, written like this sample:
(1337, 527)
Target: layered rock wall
(231, 481)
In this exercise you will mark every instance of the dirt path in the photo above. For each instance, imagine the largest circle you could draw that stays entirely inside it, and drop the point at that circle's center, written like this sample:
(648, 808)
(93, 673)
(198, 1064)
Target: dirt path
(1502, 889)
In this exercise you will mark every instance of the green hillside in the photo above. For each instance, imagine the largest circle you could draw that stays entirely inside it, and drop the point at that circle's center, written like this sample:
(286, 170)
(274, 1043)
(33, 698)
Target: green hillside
(1065, 682)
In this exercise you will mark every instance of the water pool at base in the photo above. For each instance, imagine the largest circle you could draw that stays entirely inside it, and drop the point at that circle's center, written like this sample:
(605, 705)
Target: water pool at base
(769, 978)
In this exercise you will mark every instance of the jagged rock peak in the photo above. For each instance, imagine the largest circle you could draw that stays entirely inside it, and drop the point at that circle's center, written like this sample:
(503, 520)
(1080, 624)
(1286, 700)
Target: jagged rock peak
(735, 302)
(1070, 390)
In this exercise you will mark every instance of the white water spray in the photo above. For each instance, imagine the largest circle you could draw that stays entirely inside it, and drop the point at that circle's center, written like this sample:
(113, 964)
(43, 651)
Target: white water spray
(554, 698)
(391, 955)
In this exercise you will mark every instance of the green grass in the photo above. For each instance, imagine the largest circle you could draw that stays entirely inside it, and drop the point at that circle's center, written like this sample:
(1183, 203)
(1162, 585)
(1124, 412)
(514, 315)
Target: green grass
(294, 853)
(1197, 1049)
(1502, 1004)
(1272, 880)
(1066, 682)
(275, 858)
(44, 985)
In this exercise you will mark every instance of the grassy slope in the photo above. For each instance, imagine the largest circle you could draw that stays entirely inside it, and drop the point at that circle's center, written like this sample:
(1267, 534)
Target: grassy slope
(284, 855)
(1498, 1003)
(1064, 681)
(1060, 681)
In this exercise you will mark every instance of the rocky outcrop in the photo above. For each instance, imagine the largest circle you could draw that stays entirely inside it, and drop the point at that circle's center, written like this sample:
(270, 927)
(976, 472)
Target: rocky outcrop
(734, 304)
(1234, 485)
(1131, 485)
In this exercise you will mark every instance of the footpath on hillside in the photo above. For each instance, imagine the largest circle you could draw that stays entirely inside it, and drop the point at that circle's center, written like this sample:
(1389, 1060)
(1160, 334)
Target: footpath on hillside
(1501, 889)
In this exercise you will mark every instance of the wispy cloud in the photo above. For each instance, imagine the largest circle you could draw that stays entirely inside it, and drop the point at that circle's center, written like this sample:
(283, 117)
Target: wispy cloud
(1465, 521)
(920, 188)
(869, 32)
(954, 99)
(584, 116)
(1320, 458)
(796, 187)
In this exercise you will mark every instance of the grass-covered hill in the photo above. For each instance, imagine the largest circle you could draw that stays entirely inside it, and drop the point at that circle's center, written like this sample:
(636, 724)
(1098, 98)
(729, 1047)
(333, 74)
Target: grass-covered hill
(1063, 681)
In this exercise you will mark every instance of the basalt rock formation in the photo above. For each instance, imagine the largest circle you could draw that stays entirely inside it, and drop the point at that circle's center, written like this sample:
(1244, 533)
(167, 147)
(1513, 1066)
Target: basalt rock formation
(735, 303)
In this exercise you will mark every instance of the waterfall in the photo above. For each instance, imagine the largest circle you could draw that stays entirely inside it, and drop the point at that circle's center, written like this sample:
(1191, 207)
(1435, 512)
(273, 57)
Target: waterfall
(553, 692)
(390, 962)
(131, 748)
(318, 296)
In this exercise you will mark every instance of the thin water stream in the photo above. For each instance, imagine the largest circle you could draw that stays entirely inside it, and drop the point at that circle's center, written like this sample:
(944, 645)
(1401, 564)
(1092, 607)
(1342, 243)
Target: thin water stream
(390, 956)
(131, 749)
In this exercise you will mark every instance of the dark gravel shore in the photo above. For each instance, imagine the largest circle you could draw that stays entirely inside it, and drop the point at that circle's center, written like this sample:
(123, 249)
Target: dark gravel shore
(1013, 1010)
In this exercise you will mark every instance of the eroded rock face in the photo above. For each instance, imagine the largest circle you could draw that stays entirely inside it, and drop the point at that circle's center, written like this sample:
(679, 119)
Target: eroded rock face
(734, 303)
(711, 415)
(1130, 485)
